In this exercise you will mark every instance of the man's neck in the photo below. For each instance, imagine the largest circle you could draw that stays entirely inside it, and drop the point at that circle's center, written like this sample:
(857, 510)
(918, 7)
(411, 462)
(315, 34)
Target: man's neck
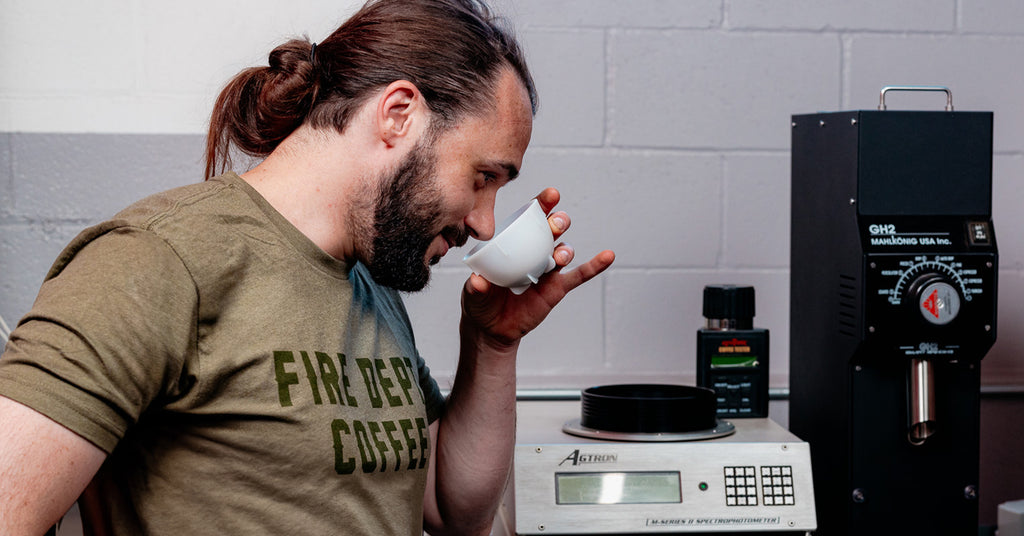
(309, 180)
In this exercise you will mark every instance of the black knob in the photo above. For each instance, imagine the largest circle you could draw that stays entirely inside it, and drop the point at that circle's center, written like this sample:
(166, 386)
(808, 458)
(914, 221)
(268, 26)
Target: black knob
(730, 305)
(935, 297)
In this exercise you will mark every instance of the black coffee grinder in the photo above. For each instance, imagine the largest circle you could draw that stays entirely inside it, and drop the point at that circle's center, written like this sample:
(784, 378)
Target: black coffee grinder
(892, 308)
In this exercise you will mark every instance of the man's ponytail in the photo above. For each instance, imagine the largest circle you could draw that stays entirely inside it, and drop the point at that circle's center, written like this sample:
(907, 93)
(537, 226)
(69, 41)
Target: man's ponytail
(261, 106)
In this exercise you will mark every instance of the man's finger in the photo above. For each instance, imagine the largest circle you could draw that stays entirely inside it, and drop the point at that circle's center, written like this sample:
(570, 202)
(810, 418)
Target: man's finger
(588, 270)
(548, 198)
(559, 223)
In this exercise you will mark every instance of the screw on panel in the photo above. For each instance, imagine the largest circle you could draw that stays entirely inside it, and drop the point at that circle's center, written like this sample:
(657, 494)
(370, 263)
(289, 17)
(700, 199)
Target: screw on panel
(538, 450)
(541, 527)
(821, 123)
(858, 496)
(971, 492)
(853, 121)
(853, 201)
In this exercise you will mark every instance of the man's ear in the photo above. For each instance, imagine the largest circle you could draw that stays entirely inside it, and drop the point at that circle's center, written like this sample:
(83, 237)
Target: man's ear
(400, 109)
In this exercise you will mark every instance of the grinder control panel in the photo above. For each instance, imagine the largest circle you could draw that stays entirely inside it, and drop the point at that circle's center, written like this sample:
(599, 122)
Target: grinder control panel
(930, 286)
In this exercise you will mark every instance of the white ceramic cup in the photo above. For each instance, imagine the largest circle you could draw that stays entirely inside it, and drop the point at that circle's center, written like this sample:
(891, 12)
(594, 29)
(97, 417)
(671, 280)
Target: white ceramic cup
(520, 251)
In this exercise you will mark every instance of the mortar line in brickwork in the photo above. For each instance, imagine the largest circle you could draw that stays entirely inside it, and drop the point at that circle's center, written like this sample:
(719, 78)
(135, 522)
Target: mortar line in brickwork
(609, 84)
(604, 322)
(723, 186)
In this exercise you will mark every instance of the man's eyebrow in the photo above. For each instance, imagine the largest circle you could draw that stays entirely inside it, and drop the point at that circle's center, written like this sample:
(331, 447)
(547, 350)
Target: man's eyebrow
(510, 169)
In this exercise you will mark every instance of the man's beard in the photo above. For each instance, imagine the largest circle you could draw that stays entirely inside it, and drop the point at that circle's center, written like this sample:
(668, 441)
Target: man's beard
(406, 213)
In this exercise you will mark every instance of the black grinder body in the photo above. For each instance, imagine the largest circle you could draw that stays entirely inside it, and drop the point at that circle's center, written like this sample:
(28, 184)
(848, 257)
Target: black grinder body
(893, 270)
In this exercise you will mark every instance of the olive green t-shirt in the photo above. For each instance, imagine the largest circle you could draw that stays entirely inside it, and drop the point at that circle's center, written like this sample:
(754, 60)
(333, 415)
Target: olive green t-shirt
(241, 380)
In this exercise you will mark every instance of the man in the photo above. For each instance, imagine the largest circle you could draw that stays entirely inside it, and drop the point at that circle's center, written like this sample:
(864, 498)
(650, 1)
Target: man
(233, 356)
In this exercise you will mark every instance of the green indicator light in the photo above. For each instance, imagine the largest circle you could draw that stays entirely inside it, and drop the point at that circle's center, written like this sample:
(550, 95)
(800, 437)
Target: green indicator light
(703, 486)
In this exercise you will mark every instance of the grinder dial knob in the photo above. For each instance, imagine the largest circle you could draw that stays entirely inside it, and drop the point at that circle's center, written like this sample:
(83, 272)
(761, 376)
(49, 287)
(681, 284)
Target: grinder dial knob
(936, 298)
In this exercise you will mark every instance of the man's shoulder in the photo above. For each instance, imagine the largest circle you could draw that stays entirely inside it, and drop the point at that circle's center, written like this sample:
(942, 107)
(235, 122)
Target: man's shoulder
(209, 197)
(174, 221)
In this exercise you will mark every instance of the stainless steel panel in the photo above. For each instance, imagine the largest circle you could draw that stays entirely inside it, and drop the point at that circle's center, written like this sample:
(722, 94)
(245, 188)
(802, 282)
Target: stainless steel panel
(713, 497)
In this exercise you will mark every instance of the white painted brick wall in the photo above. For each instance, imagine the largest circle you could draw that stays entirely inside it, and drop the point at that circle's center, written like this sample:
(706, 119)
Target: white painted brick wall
(992, 16)
(665, 123)
(569, 72)
(612, 13)
(831, 15)
(717, 90)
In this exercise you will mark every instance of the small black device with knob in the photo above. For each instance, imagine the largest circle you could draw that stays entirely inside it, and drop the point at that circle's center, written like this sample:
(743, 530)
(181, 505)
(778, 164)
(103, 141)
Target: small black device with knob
(732, 355)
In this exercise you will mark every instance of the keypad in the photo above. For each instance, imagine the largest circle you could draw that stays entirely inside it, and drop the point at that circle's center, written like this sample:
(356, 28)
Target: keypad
(775, 488)
(741, 485)
(777, 485)
(735, 396)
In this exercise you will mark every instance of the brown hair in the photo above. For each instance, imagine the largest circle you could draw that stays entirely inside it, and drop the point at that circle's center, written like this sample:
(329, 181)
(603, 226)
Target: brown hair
(452, 50)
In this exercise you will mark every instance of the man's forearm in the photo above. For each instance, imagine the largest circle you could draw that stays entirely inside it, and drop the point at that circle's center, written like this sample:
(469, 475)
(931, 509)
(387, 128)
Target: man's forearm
(476, 436)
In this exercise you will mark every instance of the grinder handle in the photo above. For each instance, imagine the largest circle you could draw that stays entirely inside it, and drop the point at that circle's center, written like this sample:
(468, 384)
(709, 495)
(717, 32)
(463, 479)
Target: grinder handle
(949, 94)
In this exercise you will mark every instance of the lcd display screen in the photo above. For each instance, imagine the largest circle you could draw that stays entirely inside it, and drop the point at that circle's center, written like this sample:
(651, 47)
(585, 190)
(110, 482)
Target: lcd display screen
(618, 488)
(734, 361)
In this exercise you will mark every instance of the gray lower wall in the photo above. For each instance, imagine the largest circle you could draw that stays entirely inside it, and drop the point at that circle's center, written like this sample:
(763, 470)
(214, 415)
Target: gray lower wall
(54, 185)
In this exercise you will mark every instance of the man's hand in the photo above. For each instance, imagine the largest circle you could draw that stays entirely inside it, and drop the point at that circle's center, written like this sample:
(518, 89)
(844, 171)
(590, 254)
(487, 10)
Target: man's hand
(502, 317)
(473, 441)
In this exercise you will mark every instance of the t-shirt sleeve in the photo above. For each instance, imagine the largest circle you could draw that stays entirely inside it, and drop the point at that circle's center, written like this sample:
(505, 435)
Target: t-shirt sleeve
(110, 332)
(431, 392)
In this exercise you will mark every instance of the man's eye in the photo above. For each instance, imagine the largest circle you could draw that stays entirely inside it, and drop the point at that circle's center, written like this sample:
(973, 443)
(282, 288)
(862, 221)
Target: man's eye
(484, 178)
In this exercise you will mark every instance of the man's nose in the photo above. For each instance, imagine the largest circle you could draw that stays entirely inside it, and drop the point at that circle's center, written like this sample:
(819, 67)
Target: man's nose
(480, 221)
